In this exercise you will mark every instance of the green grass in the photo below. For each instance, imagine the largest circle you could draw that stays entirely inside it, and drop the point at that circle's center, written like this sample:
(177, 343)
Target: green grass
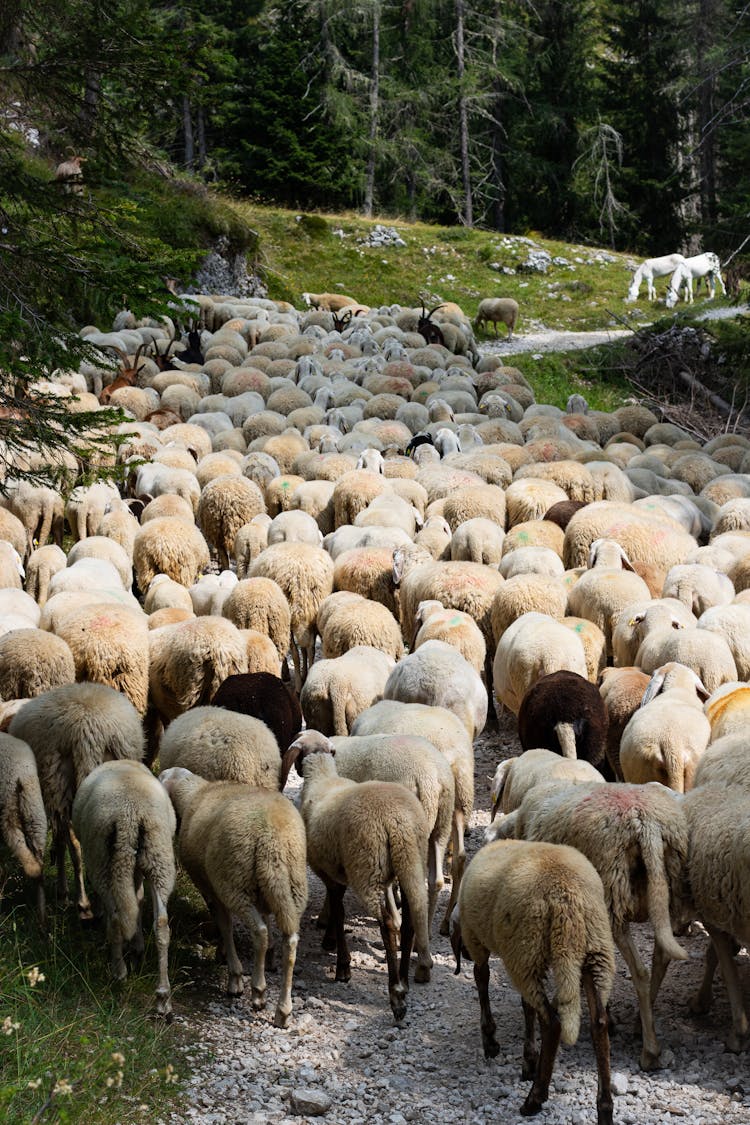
(75, 1045)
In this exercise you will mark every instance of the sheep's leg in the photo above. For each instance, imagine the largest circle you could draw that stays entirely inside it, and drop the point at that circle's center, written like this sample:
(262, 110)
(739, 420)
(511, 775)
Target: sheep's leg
(116, 959)
(700, 1004)
(85, 912)
(600, 1040)
(62, 881)
(486, 1022)
(530, 1052)
(659, 966)
(138, 944)
(388, 932)
(723, 945)
(298, 679)
(289, 944)
(549, 1026)
(649, 1059)
(343, 960)
(457, 868)
(162, 935)
(259, 932)
(235, 983)
(407, 940)
(435, 881)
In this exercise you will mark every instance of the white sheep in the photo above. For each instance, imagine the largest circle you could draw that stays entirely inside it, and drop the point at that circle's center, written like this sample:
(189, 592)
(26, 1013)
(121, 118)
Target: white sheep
(368, 836)
(533, 646)
(667, 735)
(515, 777)
(23, 821)
(222, 745)
(437, 675)
(244, 848)
(541, 908)
(125, 822)
(337, 690)
(625, 831)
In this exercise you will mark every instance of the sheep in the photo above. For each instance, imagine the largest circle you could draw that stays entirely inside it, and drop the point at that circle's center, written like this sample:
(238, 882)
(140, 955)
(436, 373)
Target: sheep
(527, 593)
(706, 652)
(337, 690)
(634, 622)
(23, 821)
(187, 663)
(449, 736)
(478, 540)
(625, 831)
(367, 836)
(222, 745)
(727, 709)
(717, 818)
(163, 593)
(358, 621)
(606, 588)
(169, 546)
(244, 848)
(250, 540)
(41, 511)
(698, 587)
(125, 823)
(305, 575)
(666, 736)
(532, 647)
(622, 690)
(110, 645)
(564, 712)
(260, 604)
(515, 777)
(264, 697)
(437, 675)
(294, 526)
(330, 302)
(415, 763)
(86, 506)
(85, 575)
(42, 564)
(646, 538)
(226, 504)
(540, 907)
(210, 592)
(503, 310)
(32, 662)
(71, 730)
(433, 622)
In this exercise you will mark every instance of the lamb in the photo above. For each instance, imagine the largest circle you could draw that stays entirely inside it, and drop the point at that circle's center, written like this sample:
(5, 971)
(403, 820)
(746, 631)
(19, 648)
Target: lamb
(437, 675)
(415, 763)
(624, 830)
(336, 691)
(265, 697)
(125, 823)
(222, 745)
(23, 821)
(449, 736)
(244, 848)
(305, 575)
(666, 737)
(503, 310)
(565, 713)
(71, 730)
(541, 907)
(368, 836)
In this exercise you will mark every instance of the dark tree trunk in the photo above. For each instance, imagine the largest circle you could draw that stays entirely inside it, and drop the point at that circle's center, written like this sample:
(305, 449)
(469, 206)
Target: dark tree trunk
(374, 110)
(201, 130)
(463, 122)
(187, 132)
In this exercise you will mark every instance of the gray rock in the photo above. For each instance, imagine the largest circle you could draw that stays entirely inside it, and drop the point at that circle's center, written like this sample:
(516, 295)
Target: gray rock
(620, 1083)
(308, 1101)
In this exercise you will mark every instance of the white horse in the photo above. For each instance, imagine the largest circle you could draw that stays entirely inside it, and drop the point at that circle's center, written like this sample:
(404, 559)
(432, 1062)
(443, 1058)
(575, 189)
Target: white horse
(700, 265)
(651, 268)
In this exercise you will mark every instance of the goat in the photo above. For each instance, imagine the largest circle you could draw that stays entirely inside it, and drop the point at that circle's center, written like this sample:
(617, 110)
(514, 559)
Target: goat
(427, 327)
(651, 268)
(126, 376)
(700, 265)
(69, 175)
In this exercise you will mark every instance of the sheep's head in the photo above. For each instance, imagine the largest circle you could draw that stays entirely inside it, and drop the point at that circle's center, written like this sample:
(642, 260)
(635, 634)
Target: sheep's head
(181, 786)
(306, 743)
(674, 676)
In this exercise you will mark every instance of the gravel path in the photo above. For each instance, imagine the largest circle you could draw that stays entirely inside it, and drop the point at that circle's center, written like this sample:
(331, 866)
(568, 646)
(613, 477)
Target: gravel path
(552, 340)
(343, 1055)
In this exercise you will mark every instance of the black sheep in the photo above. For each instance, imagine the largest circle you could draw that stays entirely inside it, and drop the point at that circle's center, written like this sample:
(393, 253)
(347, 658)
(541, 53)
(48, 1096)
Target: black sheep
(563, 511)
(417, 440)
(565, 713)
(265, 697)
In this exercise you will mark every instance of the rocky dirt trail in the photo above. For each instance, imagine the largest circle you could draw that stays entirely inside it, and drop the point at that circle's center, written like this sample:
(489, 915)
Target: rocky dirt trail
(344, 1060)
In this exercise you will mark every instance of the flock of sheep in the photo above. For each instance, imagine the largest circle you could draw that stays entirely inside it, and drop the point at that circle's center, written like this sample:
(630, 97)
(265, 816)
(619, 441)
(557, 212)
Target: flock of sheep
(451, 545)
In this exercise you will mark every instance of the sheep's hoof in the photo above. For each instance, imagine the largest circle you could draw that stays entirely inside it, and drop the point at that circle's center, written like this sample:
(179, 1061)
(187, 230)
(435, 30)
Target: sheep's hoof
(280, 1018)
(235, 987)
(491, 1048)
(531, 1106)
(258, 1000)
(699, 1004)
(398, 1005)
(329, 943)
(604, 1115)
(344, 975)
(649, 1060)
(422, 974)
(445, 927)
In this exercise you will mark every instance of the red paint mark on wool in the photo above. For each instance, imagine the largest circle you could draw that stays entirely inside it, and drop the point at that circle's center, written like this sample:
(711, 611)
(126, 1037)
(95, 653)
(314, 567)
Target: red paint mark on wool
(101, 621)
(615, 799)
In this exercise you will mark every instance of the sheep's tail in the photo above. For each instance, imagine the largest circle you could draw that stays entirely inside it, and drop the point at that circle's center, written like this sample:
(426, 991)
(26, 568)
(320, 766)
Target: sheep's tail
(339, 696)
(123, 857)
(657, 893)
(409, 857)
(28, 834)
(566, 736)
(567, 939)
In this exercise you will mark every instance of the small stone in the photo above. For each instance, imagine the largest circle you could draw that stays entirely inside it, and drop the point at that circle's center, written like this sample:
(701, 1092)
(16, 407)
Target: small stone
(309, 1101)
(620, 1083)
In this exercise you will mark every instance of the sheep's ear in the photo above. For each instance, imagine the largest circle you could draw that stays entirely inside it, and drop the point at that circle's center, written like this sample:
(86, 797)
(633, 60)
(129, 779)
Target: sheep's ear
(593, 552)
(626, 563)
(655, 685)
(677, 624)
(701, 690)
(398, 565)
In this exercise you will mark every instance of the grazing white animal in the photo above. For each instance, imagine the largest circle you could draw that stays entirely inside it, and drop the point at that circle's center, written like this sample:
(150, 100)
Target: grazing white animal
(700, 265)
(651, 268)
